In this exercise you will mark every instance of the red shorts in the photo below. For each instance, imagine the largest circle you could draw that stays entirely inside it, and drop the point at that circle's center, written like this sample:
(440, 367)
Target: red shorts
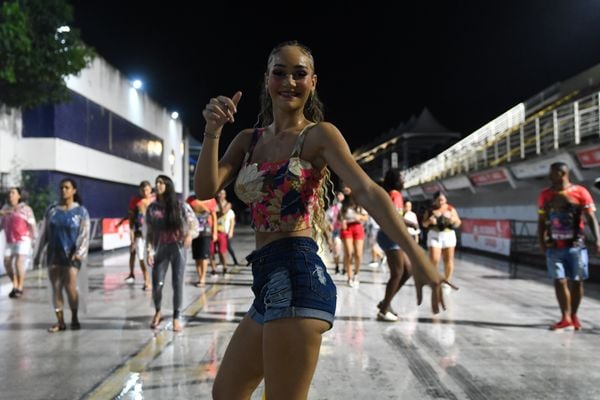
(354, 231)
(221, 242)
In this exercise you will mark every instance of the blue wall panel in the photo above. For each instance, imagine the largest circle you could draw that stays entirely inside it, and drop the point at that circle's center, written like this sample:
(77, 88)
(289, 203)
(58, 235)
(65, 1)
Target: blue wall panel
(84, 122)
(131, 142)
(38, 121)
(70, 120)
(102, 199)
(98, 129)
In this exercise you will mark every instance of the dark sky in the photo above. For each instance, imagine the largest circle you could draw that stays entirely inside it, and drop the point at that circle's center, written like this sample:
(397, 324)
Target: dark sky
(378, 63)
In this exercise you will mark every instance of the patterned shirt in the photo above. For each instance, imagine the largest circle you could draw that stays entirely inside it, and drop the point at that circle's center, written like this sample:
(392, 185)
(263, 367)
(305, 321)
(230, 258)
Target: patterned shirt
(18, 223)
(563, 212)
(67, 233)
(281, 194)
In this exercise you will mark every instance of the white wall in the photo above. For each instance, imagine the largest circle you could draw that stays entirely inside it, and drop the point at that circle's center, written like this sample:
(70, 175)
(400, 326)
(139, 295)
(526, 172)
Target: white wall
(10, 133)
(106, 86)
(102, 84)
(64, 156)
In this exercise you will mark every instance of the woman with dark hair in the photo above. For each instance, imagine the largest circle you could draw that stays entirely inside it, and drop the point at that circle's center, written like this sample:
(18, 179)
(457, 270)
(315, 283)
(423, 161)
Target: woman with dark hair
(66, 232)
(398, 262)
(170, 227)
(18, 222)
(441, 220)
(282, 173)
(352, 232)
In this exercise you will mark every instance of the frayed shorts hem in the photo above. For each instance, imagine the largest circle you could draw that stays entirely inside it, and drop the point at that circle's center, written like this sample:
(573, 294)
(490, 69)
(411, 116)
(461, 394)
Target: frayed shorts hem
(290, 312)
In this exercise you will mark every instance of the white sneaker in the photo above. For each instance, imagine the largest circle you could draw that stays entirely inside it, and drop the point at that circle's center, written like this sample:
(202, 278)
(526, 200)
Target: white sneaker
(350, 283)
(355, 281)
(383, 261)
(130, 280)
(387, 316)
(374, 264)
(446, 289)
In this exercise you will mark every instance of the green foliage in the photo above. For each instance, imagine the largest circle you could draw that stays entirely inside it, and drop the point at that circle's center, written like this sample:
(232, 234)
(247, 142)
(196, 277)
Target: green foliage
(35, 55)
(38, 198)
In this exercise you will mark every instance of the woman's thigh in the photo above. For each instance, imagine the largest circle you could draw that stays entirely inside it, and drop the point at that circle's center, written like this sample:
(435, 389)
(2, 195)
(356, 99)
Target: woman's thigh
(348, 244)
(241, 369)
(291, 350)
(448, 255)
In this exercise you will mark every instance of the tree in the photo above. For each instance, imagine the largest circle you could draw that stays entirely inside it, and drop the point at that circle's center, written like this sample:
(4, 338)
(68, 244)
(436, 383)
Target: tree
(38, 50)
(38, 198)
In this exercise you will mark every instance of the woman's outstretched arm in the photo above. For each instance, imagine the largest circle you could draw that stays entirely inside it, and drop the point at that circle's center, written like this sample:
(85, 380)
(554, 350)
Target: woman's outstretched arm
(335, 152)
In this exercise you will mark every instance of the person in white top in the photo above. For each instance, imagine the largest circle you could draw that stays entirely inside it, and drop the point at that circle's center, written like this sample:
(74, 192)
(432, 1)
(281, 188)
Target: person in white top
(18, 222)
(352, 217)
(410, 215)
(229, 225)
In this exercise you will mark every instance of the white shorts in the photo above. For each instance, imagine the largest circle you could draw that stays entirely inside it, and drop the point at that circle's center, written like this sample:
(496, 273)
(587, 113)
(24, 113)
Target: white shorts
(441, 240)
(140, 247)
(22, 248)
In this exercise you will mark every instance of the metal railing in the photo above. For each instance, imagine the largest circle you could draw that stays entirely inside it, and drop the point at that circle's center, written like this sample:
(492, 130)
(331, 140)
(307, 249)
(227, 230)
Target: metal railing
(568, 121)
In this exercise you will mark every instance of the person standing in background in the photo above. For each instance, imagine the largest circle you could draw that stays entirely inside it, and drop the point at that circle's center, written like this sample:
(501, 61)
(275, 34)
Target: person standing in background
(170, 227)
(207, 216)
(18, 222)
(335, 227)
(352, 216)
(66, 233)
(441, 220)
(562, 208)
(230, 228)
(222, 243)
(136, 214)
(400, 266)
(409, 215)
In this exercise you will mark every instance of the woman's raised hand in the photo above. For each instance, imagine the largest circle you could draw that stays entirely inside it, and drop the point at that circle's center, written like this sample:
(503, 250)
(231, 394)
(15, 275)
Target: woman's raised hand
(219, 111)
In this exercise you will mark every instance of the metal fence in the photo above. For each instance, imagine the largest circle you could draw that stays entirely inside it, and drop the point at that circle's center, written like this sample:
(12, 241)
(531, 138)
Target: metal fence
(568, 121)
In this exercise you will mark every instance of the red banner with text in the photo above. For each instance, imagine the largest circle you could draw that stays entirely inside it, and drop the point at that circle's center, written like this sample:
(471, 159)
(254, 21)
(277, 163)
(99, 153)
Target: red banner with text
(491, 235)
(115, 236)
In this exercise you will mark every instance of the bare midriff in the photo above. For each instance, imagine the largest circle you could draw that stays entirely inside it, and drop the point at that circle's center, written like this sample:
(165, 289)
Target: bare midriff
(264, 238)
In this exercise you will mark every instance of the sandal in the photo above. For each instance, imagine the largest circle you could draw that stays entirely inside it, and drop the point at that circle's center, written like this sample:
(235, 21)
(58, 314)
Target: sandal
(155, 323)
(57, 328)
(18, 293)
(177, 327)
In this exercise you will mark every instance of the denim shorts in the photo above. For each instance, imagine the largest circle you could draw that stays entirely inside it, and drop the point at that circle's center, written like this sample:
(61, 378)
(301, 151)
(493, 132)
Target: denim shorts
(386, 243)
(570, 263)
(291, 281)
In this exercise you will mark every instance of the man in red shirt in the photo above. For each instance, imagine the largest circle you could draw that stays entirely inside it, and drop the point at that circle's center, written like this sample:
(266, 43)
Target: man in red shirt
(135, 215)
(561, 208)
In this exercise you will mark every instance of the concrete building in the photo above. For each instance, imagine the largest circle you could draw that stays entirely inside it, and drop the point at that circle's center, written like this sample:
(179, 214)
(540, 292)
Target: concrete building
(108, 136)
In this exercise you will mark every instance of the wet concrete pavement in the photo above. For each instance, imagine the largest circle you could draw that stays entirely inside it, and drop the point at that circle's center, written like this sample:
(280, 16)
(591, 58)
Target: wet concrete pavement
(492, 342)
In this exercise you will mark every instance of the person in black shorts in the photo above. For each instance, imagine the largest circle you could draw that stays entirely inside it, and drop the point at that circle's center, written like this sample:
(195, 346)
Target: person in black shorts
(207, 216)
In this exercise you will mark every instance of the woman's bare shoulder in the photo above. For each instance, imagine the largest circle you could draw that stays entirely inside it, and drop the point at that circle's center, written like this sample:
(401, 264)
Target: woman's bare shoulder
(243, 138)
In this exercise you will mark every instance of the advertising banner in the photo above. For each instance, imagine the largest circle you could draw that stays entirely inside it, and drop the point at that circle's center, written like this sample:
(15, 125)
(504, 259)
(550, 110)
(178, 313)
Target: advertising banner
(589, 158)
(113, 236)
(491, 235)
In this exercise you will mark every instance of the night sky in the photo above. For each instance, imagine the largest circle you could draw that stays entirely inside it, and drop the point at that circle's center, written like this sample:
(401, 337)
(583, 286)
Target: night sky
(377, 65)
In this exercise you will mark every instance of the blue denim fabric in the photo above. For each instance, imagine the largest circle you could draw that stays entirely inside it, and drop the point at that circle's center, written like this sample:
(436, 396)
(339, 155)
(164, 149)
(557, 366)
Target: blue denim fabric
(570, 263)
(291, 281)
(385, 242)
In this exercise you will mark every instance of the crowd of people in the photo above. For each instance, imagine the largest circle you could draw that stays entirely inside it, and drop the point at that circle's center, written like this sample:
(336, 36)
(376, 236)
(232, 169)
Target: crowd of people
(281, 169)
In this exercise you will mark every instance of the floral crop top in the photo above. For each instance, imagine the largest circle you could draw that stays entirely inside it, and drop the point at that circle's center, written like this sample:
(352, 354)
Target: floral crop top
(281, 194)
